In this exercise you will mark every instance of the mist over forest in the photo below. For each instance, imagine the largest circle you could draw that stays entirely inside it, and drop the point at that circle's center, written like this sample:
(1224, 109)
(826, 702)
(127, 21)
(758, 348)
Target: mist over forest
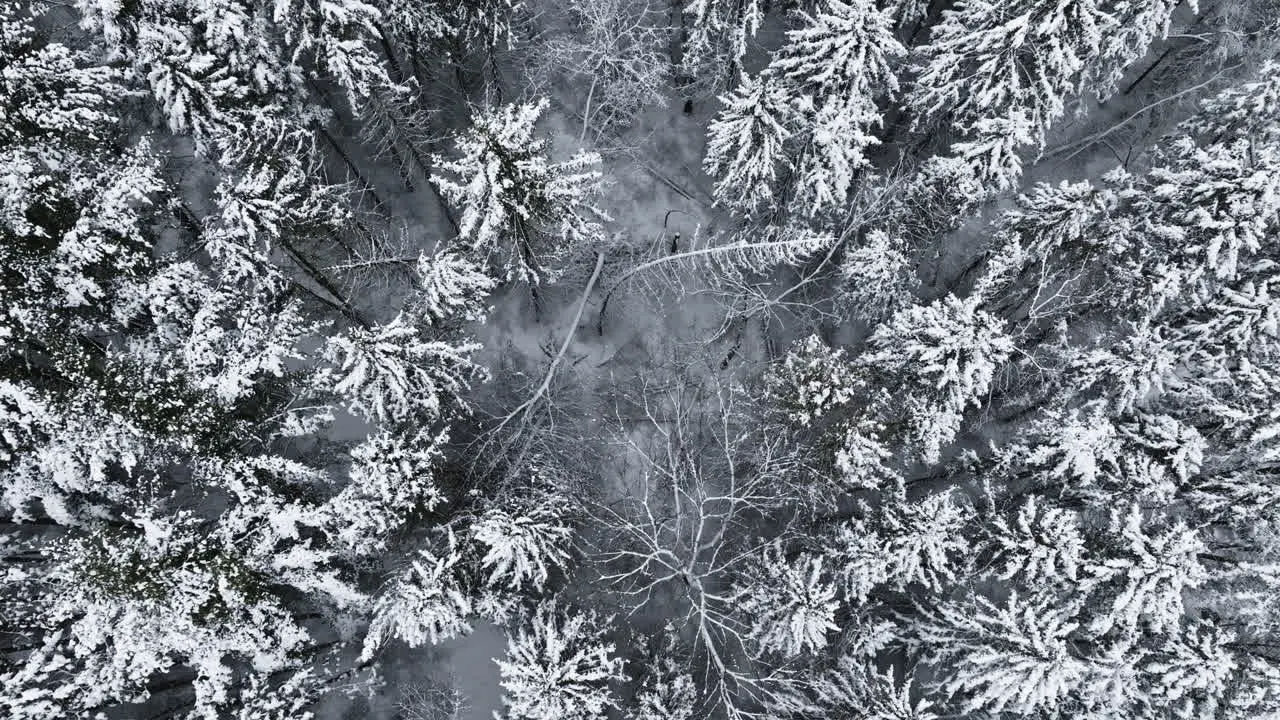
(640, 360)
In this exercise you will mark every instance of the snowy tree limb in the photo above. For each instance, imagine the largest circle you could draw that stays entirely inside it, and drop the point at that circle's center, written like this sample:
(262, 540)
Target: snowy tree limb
(1083, 144)
(527, 406)
(782, 250)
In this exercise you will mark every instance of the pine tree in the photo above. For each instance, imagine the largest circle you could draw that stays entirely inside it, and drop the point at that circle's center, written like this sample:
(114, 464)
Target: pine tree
(746, 142)
(946, 355)
(857, 689)
(1004, 72)
(1222, 197)
(450, 288)
(392, 373)
(922, 541)
(485, 22)
(861, 560)
(876, 278)
(51, 87)
(1136, 27)
(524, 546)
(1193, 673)
(906, 12)
(137, 603)
(1247, 110)
(667, 691)
(391, 476)
(428, 603)
(270, 191)
(518, 208)
(811, 381)
(837, 64)
(558, 665)
(720, 33)
(1015, 657)
(1042, 544)
(792, 603)
(1147, 571)
(211, 66)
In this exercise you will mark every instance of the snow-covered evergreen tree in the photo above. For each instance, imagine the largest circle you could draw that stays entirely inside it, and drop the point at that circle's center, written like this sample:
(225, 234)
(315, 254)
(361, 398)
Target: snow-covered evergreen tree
(524, 546)
(946, 355)
(853, 687)
(1148, 568)
(876, 277)
(138, 604)
(391, 477)
(393, 373)
(1196, 672)
(792, 603)
(835, 66)
(921, 542)
(211, 65)
(558, 665)
(906, 12)
(428, 603)
(719, 35)
(519, 209)
(1013, 656)
(809, 116)
(811, 381)
(411, 27)
(1043, 544)
(746, 142)
(1005, 72)
(271, 189)
(667, 690)
(1241, 111)
(450, 287)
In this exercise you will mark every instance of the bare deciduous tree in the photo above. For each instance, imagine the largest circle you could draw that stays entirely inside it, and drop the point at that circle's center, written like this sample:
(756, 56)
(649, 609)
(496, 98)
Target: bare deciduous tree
(433, 700)
(613, 48)
(699, 484)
